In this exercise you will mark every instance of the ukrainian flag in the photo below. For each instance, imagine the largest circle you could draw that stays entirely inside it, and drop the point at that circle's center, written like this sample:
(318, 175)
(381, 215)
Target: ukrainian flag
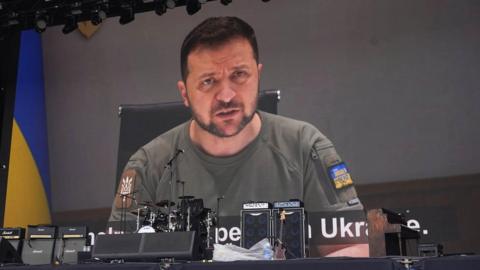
(28, 187)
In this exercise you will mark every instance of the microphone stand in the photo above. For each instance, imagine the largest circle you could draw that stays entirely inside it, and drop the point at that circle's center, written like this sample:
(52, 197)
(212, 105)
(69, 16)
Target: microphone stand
(123, 214)
(170, 166)
(183, 187)
(218, 210)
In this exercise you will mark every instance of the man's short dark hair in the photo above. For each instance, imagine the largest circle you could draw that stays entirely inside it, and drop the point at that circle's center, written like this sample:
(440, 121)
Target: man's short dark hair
(214, 32)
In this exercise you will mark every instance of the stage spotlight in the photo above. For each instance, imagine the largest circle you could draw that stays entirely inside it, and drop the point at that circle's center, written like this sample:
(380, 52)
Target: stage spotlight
(70, 25)
(225, 2)
(98, 16)
(126, 15)
(171, 4)
(160, 7)
(41, 22)
(193, 6)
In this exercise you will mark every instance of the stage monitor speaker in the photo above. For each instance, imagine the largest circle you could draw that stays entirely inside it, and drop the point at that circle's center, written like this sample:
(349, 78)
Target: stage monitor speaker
(178, 245)
(255, 225)
(117, 246)
(147, 246)
(294, 233)
(8, 254)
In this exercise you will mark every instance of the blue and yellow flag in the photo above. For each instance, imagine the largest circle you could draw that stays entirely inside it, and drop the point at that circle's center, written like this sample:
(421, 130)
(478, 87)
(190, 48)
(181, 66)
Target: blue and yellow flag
(28, 188)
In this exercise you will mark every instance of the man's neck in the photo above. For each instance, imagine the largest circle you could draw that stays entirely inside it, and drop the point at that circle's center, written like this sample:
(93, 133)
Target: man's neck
(228, 146)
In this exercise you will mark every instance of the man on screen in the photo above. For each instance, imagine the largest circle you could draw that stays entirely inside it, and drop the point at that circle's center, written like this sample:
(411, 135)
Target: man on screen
(230, 148)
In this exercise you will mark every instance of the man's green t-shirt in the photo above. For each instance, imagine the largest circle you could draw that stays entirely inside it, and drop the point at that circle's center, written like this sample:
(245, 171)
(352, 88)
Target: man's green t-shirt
(289, 159)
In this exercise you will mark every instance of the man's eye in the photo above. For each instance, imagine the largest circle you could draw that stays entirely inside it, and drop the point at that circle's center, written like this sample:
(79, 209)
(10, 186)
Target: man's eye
(239, 73)
(239, 76)
(208, 81)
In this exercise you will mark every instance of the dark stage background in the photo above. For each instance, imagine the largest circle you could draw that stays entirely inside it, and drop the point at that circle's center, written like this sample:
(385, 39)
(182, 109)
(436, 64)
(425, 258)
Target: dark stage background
(394, 84)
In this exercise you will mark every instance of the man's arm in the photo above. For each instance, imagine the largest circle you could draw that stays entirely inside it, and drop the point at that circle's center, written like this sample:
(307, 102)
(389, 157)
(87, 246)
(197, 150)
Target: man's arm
(329, 188)
(131, 189)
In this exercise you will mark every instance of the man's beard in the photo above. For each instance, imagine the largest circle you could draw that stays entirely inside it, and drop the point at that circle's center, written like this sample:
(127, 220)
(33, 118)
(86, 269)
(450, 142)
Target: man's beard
(213, 128)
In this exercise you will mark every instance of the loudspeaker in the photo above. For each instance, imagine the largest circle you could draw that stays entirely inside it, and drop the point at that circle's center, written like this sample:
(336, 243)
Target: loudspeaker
(70, 241)
(8, 254)
(179, 245)
(117, 246)
(66, 250)
(16, 244)
(294, 233)
(14, 236)
(147, 246)
(38, 251)
(39, 246)
(255, 225)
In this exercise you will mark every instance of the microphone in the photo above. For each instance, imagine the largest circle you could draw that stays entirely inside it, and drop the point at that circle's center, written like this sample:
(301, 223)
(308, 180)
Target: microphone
(169, 166)
(177, 152)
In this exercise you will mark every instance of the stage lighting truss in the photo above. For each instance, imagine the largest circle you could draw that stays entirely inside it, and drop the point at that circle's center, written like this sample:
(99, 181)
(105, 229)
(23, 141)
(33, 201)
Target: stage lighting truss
(17, 15)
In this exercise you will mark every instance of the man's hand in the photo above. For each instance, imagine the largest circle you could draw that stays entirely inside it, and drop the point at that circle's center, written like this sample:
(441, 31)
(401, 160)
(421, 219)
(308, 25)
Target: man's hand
(348, 250)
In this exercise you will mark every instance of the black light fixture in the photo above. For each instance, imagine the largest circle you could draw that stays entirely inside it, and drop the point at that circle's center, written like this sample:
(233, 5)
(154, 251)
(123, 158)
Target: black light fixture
(70, 25)
(160, 7)
(127, 13)
(41, 22)
(171, 4)
(45, 13)
(98, 15)
(193, 6)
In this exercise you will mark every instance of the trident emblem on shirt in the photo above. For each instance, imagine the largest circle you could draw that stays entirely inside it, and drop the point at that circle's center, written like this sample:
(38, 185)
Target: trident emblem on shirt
(126, 185)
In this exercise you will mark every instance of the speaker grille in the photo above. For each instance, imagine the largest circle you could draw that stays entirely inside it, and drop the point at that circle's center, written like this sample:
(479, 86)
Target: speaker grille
(66, 250)
(38, 251)
(178, 245)
(117, 245)
(8, 253)
(256, 225)
(293, 231)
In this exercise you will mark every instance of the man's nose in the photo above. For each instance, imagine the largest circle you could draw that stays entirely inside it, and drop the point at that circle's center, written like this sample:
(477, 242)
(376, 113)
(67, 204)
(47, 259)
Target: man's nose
(226, 93)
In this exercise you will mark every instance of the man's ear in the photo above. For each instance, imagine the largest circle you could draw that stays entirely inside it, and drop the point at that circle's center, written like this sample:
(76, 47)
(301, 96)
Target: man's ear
(260, 67)
(183, 92)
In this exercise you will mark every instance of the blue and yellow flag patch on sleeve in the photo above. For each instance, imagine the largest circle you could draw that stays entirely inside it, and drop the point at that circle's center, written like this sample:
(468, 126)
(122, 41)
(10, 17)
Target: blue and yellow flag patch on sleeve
(338, 173)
